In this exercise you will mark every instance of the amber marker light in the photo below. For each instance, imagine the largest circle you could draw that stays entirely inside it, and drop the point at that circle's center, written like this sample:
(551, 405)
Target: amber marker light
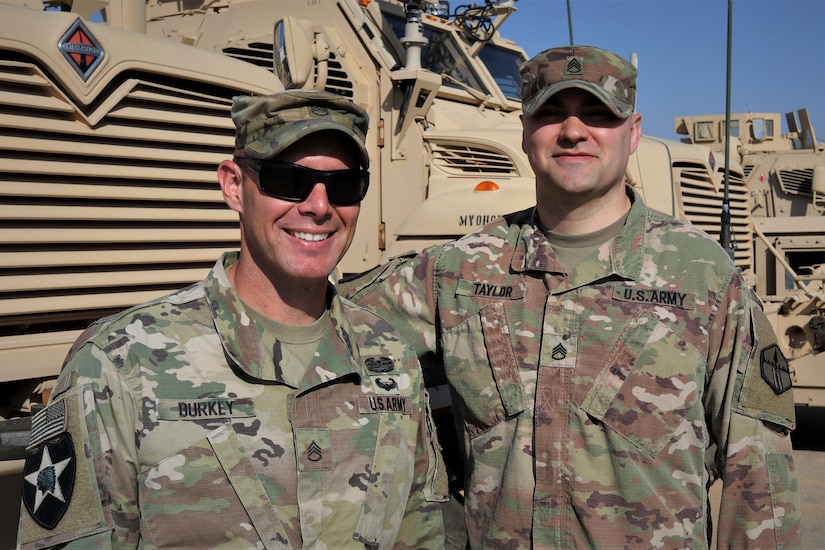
(364, 3)
(435, 18)
(486, 185)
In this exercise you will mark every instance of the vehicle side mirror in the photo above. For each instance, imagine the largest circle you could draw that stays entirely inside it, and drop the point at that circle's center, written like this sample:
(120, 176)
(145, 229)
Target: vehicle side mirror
(293, 56)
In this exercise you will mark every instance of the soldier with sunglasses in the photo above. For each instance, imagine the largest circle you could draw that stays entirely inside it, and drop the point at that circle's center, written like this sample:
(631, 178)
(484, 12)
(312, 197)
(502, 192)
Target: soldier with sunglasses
(256, 408)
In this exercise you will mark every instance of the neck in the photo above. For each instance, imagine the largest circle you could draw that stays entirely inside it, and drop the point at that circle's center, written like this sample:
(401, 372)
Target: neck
(286, 301)
(570, 215)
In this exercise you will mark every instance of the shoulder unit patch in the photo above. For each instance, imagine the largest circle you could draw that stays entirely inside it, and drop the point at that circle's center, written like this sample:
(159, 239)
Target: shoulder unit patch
(775, 369)
(48, 480)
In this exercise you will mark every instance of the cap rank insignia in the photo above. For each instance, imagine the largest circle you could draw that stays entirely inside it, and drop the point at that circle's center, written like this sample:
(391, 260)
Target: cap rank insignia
(574, 65)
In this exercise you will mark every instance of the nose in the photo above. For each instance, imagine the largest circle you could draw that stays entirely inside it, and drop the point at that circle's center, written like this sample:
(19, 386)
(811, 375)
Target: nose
(573, 129)
(317, 202)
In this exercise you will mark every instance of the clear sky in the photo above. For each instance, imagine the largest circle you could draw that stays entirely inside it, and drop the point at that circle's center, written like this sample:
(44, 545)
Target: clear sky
(778, 54)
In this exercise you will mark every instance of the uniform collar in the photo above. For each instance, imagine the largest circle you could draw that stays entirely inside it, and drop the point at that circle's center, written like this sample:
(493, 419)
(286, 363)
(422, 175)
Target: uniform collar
(257, 354)
(532, 251)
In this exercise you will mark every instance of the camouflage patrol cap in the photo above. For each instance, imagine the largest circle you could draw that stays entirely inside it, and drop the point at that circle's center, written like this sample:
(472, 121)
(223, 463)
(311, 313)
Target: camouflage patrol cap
(267, 125)
(600, 72)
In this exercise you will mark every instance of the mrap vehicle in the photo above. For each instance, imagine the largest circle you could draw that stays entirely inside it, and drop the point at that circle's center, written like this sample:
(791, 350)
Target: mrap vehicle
(785, 180)
(115, 114)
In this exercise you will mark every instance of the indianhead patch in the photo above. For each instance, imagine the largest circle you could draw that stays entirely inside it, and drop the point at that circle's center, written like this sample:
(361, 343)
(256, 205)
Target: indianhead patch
(48, 480)
(775, 369)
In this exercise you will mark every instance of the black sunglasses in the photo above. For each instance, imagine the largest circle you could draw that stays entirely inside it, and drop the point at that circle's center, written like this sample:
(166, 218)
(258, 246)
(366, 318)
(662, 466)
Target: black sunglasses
(294, 183)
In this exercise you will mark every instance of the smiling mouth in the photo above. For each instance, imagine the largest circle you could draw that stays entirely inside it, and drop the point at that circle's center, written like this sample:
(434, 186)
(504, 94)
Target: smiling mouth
(311, 237)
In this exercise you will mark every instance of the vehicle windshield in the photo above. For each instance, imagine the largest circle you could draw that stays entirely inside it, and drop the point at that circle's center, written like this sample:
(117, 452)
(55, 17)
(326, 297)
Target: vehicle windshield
(443, 56)
(503, 64)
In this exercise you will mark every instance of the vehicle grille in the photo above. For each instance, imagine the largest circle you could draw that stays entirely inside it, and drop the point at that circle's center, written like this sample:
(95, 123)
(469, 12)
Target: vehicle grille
(702, 205)
(462, 159)
(257, 53)
(338, 81)
(108, 205)
(796, 181)
(260, 54)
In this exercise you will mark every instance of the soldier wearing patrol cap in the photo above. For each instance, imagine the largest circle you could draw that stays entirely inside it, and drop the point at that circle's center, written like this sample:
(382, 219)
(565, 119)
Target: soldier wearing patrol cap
(257, 408)
(608, 363)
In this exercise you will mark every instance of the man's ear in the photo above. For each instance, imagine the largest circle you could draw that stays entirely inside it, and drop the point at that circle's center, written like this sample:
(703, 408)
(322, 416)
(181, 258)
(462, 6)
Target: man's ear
(635, 132)
(230, 178)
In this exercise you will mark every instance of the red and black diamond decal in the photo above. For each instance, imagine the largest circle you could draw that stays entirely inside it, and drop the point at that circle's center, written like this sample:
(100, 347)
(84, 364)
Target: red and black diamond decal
(81, 49)
(48, 480)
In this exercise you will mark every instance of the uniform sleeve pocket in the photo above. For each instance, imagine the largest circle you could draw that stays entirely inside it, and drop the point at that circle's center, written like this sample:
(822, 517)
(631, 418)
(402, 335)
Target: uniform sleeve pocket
(647, 385)
(483, 369)
(784, 497)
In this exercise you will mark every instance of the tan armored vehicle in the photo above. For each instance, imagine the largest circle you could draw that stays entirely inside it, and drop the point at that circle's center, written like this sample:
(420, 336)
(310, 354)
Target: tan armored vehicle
(115, 114)
(785, 178)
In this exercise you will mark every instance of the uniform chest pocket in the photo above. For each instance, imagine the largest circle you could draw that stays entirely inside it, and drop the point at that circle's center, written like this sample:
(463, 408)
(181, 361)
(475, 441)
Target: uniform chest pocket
(651, 383)
(210, 488)
(482, 370)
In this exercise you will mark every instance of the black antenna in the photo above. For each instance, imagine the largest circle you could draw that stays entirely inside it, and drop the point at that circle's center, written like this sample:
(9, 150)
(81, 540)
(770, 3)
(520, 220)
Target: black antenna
(725, 234)
(570, 23)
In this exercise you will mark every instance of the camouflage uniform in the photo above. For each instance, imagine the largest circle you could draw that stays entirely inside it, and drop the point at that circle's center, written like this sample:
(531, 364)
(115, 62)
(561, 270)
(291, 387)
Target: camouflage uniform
(598, 406)
(184, 424)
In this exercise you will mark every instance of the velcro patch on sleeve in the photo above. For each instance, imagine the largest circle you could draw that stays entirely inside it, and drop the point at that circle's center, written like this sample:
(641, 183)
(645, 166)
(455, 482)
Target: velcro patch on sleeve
(766, 392)
(61, 501)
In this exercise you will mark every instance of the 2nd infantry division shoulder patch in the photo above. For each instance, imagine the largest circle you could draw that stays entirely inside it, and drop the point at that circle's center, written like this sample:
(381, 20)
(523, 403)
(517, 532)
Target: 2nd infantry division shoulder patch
(48, 480)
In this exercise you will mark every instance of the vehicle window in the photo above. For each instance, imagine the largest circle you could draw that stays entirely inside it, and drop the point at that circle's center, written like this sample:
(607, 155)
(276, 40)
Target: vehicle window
(442, 55)
(504, 64)
(734, 128)
(704, 130)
